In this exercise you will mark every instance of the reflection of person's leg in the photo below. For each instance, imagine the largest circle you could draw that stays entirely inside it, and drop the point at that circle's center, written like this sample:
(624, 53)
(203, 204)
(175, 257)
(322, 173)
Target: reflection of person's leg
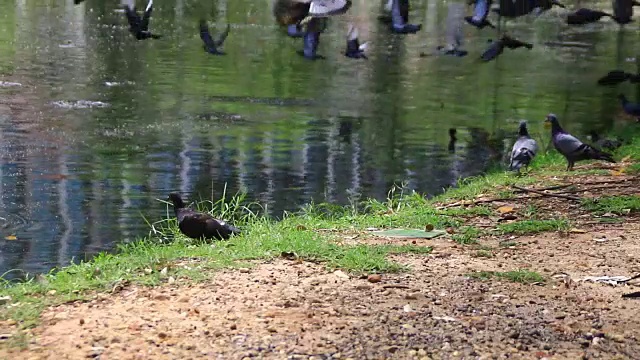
(400, 18)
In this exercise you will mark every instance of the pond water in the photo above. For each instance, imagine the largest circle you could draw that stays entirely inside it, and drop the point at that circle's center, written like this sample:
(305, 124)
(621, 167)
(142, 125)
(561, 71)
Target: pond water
(104, 125)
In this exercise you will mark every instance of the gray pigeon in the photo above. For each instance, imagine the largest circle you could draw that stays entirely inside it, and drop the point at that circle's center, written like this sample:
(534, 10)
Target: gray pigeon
(572, 148)
(524, 150)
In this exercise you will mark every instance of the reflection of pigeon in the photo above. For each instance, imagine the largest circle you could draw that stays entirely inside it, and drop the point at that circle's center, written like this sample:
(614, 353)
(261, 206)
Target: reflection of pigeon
(610, 144)
(400, 18)
(139, 27)
(480, 13)
(585, 16)
(630, 108)
(354, 50)
(497, 47)
(210, 45)
(571, 148)
(454, 31)
(452, 140)
(198, 225)
(615, 77)
(524, 150)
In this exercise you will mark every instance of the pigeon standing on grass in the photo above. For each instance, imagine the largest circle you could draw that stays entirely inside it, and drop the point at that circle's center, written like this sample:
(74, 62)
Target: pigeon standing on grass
(198, 225)
(571, 147)
(524, 149)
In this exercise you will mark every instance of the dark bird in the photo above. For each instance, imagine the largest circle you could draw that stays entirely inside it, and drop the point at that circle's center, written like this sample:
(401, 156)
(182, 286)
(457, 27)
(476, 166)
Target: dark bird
(615, 77)
(354, 50)
(452, 140)
(198, 225)
(524, 149)
(400, 18)
(545, 5)
(480, 13)
(212, 46)
(630, 108)
(497, 47)
(571, 148)
(609, 144)
(585, 16)
(137, 26)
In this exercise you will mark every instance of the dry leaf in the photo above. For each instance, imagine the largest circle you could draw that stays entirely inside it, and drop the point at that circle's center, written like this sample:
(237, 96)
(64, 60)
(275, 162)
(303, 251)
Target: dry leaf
(626, 158)
(11, 237)
(617, 173)
(505, 209)
(577, 231)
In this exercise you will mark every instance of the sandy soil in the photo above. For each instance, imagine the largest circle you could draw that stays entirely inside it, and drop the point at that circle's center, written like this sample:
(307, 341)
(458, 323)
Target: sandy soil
(292, 309)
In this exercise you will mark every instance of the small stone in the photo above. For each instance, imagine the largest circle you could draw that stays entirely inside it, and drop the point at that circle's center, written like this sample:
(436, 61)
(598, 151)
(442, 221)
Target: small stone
(51, 292)
(615, 337)
(233, 326)
(244, 270)
(81, 321)
(161, 297)
(412, 296)
(162, 335)
(374, 278)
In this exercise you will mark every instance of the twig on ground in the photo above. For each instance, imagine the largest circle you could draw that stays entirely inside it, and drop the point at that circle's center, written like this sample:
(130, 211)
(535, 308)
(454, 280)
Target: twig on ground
(394, 286)
(556, 187)
(596, 188)
(547, 194)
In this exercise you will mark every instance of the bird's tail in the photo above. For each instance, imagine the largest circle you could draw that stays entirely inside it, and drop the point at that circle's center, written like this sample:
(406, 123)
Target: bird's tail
(523, 158)
(596, 154)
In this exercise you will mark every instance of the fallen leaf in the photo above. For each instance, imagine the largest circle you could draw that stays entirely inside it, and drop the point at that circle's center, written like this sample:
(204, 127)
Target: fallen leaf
(626, 158)
(617, 173)
(505, 209)
(577, 231)
(301, 227)
(11, 237)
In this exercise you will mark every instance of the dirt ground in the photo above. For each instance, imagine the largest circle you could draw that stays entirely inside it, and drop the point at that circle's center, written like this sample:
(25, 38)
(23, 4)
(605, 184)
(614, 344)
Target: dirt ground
(292, 309)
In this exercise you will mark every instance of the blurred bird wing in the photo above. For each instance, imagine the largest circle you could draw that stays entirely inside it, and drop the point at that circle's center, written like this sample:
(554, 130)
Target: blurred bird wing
(322, 8)
(132, 16)
(144, 25)
(455, 18)
(567, 143)
(352, 32)
(222, 37)
(205, 35)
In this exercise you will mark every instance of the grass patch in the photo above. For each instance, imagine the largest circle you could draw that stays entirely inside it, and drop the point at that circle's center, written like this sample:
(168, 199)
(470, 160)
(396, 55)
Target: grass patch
(467, 235)
(520, 276)
(483, 254)
(525, 227)
(620, 205)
